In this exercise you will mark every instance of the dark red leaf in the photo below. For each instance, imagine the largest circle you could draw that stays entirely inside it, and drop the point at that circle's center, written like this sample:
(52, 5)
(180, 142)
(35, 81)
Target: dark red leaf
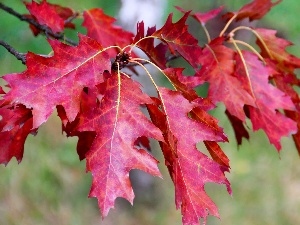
(38, 13)
(207, 121)
(217, 69)
(238, 128)
(157, 54)
(46, 14)
(275, 49)
(217, 154)
(199, 112)
(58, 80)
(285, 83)
(268, 100)
(203, 18)
(296, 117)
(85, 139)
(1, 91)
(181, 82)
(254, 10)
(100, 27)
(118, 123)
(189, 168)
(15, 125)
(143, 142)
(64, 12)
(179, 40)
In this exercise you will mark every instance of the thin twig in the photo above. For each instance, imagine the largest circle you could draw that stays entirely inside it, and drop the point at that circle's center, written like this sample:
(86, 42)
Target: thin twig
(14, 52)
(70, 19)
(47, 31)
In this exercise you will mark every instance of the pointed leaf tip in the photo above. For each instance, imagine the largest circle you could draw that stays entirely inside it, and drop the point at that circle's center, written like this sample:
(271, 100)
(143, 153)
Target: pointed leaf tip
(118, 123)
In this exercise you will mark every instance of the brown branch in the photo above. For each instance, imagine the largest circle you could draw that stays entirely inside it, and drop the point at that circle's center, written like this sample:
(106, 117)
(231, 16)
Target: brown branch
(46, 30)
(70, 19)
(14, 52)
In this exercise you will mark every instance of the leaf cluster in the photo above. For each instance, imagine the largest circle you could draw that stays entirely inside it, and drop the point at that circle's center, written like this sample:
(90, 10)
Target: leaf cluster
(91, 86)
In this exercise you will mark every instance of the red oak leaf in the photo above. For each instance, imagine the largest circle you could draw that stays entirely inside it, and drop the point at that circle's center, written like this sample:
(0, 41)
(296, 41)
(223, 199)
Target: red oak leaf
(85, 139)
(157, 54)
(89, 99)
(254, 10)
(217, 68)
(64, 12)
(189, 168)
(1, 91)
(179, 40)
(238, 128)
(47, 14)
(143, 142)
(206, 120)
(198, 113)
(268, 100)
(296, 117)
(100, 27)
(56, 10)
(273, 123)
(285, 83)
(58, 80)
(184, 83)
(217, 154)
(181, 82)
(15, 125)
(274, 48)
(118, 123)
(203, 18)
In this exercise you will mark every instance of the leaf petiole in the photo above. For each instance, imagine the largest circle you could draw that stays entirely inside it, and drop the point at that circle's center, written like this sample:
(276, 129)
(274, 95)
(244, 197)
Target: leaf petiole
(156, 87)
(227, 25)
(136, 43)
(249, 46)
(148, 73)
(206, 32)
(244, 64)
(134, 60)
(256, 34)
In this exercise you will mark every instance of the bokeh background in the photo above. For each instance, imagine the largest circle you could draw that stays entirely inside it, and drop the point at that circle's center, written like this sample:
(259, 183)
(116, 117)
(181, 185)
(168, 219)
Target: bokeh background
(50, 186)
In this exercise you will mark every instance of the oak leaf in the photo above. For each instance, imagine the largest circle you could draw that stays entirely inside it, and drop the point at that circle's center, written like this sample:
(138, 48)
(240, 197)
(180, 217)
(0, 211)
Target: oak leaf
(203, 18)
(15, 126)
(157, 54)
(101, 28)
(286, 82)
(85, 139)
(1, 91)
(51, 15)
(254, 10)
(268, 100)
(178, 39)
(118, 123)
(238, 128)
(59, 79)
(189, 168)
(218, 68)
(275, 48)
(103, 106)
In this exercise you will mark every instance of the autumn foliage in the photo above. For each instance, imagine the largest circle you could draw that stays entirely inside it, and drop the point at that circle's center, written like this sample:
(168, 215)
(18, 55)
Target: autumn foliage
(91, 85)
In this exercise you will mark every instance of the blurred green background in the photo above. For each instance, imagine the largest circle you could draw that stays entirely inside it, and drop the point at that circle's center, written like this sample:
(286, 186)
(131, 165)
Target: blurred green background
(50, 186)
